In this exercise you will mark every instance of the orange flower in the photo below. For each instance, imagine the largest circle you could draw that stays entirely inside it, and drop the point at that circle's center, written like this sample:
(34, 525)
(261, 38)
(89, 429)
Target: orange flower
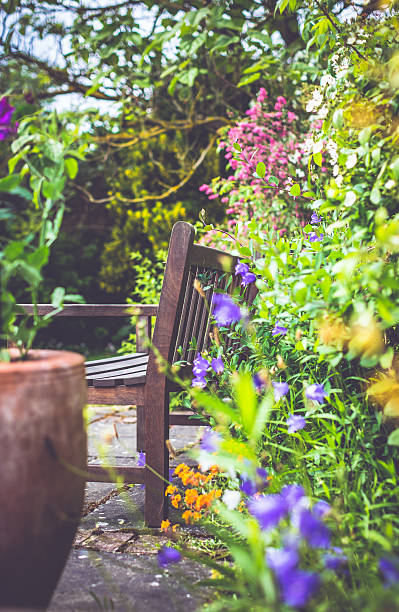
(187, 516)
(203, 501)
(170, 490)
(166, 526)
(191, 496)
(175, 500)
(182, 467)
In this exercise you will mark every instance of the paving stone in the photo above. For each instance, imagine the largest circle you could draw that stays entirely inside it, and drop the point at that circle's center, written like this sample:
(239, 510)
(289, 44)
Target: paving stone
(113, 562)
(133, 583)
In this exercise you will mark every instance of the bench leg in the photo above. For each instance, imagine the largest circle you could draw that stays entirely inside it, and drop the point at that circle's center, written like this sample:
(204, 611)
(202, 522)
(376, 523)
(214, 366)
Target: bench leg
(157, 457)
(140, 429)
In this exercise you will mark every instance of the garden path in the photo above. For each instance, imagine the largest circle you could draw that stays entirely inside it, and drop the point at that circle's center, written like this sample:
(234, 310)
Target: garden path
(113, 564)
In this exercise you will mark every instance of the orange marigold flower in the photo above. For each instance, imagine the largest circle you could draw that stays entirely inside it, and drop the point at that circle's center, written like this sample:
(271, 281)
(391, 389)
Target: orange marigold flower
(214, 469)
(196, 516)
(175, 500)
(165, 525)
(191, 496)
(203, 501)
(187, 516)
(182, 467)
(170, 490)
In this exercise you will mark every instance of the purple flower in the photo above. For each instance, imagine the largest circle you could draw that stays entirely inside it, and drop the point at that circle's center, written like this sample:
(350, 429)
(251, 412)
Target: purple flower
(251, 486)
(210, 441)
(280, 390)
(259, 383)
(316, 393)
(282, 560)
(141, 459)
(6, 111)
(279, 329)
(313, 237)
(313, 530)
(241, 268)
(217, 365)
(298, 586)
(321, 508)
(248, 486)
(199, 381)
(200, 365)
(225, 310)
(292, 494)
(295, 422)
(315, 219)
(333, 561)
(168, 555)
(247, 278)
(267, 509)
(390, 570)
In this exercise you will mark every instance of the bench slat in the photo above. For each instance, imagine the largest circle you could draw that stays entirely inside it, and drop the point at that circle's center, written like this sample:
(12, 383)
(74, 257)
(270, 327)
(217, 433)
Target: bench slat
(118, 364)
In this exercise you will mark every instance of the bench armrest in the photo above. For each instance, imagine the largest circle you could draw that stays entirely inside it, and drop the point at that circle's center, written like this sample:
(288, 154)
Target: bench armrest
(143, 312)
(96, 310)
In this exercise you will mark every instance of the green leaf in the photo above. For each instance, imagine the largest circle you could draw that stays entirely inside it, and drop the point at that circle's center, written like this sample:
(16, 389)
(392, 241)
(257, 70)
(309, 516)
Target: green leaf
(295, 190)
(188, 78)
(249, 79)
(222, 42)
(375, 195)
(273, 180)
(14, 250)
(57, 297)
(393, 439)
(72, 167)
(260, 169)
(364, 136)
(338, 118)
(318, 159)
(246, 400)
(39, 257)
(8, 183)
(395, 168)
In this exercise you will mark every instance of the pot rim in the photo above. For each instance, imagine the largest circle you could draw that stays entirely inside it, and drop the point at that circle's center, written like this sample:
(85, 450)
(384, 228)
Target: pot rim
(40, 361)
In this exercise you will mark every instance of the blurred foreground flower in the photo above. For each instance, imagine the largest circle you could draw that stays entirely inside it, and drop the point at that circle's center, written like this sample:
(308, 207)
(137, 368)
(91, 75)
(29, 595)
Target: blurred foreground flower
(316, 393)
(390, 570)
(280, 390)
(6, 112)
(279, 329)
(295, 422)
(385, 391)
(225, 310)
(168, 555)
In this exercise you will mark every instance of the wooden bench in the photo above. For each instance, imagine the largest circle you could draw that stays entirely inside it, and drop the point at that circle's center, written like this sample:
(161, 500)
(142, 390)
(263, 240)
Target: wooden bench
(181, 330)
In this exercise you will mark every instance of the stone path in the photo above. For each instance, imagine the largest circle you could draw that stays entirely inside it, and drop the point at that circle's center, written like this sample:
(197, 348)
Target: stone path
(113, 565)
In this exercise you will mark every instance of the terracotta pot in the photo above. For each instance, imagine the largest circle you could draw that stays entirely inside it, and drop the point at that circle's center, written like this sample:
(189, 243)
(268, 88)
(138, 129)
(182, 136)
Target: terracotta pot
(42, 440)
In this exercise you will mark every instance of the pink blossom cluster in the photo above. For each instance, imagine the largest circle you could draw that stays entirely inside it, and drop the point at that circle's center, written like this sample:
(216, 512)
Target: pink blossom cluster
(269, 134)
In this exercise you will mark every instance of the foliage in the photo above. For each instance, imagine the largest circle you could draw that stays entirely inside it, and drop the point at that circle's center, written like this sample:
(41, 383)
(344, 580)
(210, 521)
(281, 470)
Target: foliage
(43, 157)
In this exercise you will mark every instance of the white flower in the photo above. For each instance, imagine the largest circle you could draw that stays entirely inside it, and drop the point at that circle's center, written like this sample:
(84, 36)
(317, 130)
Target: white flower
(316, 100)
(231, 499)
(390, 184)
(336, 170)
(332, 150)
(327, 79)
(351, 161)
(322, 112)
(318, 146)
(339, 180)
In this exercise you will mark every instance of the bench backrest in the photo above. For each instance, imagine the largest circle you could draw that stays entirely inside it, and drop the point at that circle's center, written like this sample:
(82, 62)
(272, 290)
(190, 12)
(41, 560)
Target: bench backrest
(183, 321)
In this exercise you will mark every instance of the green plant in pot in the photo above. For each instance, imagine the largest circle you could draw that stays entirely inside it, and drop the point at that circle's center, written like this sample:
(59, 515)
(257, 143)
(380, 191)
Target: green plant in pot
(42, 393)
